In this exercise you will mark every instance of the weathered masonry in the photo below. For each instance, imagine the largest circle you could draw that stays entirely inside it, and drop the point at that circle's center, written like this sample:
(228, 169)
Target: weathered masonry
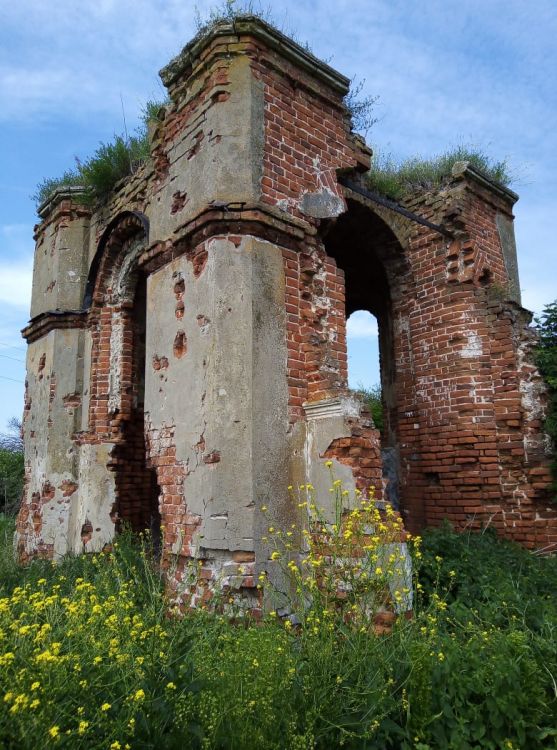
(187, 343)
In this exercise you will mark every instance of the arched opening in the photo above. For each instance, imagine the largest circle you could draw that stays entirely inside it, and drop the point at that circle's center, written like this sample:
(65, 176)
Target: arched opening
(117, 293)
(371, 256)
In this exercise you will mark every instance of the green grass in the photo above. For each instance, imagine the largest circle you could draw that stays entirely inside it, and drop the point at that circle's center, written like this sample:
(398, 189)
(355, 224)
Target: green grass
(475, 668)
(397, 179)
(111, 162)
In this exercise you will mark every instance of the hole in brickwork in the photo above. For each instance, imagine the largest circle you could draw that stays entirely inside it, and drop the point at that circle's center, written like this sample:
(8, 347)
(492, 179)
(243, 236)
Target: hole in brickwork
(486, 277)
(180, 344)
(137, 491)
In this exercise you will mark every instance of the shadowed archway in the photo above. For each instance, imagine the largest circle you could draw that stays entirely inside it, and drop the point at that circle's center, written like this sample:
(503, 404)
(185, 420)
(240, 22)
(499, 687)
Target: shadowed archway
(117, 293)
(377, 278)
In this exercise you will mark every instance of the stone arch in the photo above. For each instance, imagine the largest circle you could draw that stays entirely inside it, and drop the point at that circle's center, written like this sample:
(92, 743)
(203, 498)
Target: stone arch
(117, 295)
(125, 227)
(372, 251)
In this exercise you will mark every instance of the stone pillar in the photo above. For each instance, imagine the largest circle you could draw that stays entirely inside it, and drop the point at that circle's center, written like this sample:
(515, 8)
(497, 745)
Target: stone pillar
(216, 402)
(54, 379)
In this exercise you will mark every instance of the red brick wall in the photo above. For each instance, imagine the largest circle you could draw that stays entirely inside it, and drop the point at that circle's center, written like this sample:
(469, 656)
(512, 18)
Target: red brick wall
(316, 327)
(459, 418)
(306, 133)
(462, 436)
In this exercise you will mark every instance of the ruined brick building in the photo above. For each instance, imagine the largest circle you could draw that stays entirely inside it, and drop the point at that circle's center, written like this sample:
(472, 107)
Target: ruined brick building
(187, 343)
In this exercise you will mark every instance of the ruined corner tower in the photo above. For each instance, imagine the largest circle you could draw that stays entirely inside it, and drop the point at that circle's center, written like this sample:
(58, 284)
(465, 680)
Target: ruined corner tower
(187, 343)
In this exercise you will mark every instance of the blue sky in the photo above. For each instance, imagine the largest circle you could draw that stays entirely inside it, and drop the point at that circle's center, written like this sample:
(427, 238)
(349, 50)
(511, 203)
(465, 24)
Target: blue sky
(475, 71)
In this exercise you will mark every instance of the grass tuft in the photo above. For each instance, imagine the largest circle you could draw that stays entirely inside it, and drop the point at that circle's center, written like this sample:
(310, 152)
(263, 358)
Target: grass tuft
(110, 163)
(397, 179)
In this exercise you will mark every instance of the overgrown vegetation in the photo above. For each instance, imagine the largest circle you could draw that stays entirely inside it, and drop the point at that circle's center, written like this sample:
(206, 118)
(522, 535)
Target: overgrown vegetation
(396, 179)
(373, 400)
(11, 467)
(110, 163)
(230, 10)
(546, 359)
(90, 657)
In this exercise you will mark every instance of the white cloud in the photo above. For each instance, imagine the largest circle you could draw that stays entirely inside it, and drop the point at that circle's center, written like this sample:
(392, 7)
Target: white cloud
(16, 268)
(15, 283)
(361, 325)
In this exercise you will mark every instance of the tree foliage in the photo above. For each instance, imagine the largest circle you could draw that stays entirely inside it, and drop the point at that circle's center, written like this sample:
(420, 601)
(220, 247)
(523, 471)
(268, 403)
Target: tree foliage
(11, 467)
(546, 359)
(373, 400)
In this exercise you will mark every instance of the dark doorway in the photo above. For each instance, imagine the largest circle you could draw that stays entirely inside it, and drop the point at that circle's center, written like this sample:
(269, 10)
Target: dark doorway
(136, 482)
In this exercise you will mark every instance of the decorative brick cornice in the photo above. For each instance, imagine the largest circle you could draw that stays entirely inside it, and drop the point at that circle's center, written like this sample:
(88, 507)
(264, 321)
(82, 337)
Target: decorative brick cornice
(51, 320)
(63, 193)
(475, 177)
(272, 38)
(260, 221)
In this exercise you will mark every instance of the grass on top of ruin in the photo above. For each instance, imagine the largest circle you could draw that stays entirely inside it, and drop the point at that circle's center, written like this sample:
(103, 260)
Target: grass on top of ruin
(399, 178)
(91, 658)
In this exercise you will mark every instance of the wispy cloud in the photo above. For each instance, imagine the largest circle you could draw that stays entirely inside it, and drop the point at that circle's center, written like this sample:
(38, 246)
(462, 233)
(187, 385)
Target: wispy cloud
(79, 58)
(445, 72)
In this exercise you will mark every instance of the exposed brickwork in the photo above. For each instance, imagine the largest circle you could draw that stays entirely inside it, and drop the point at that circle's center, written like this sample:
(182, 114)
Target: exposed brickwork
(469, 399)
(361, 452)
(316, 327)
(307, 136)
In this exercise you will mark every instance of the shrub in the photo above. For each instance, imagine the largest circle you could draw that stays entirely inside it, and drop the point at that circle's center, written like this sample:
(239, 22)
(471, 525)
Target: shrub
(372, 398)
(11, 467)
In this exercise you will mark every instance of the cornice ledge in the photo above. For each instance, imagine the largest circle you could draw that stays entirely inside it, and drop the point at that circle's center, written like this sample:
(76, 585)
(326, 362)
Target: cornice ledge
(51, 320)
(271, 37)
(465, 170)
